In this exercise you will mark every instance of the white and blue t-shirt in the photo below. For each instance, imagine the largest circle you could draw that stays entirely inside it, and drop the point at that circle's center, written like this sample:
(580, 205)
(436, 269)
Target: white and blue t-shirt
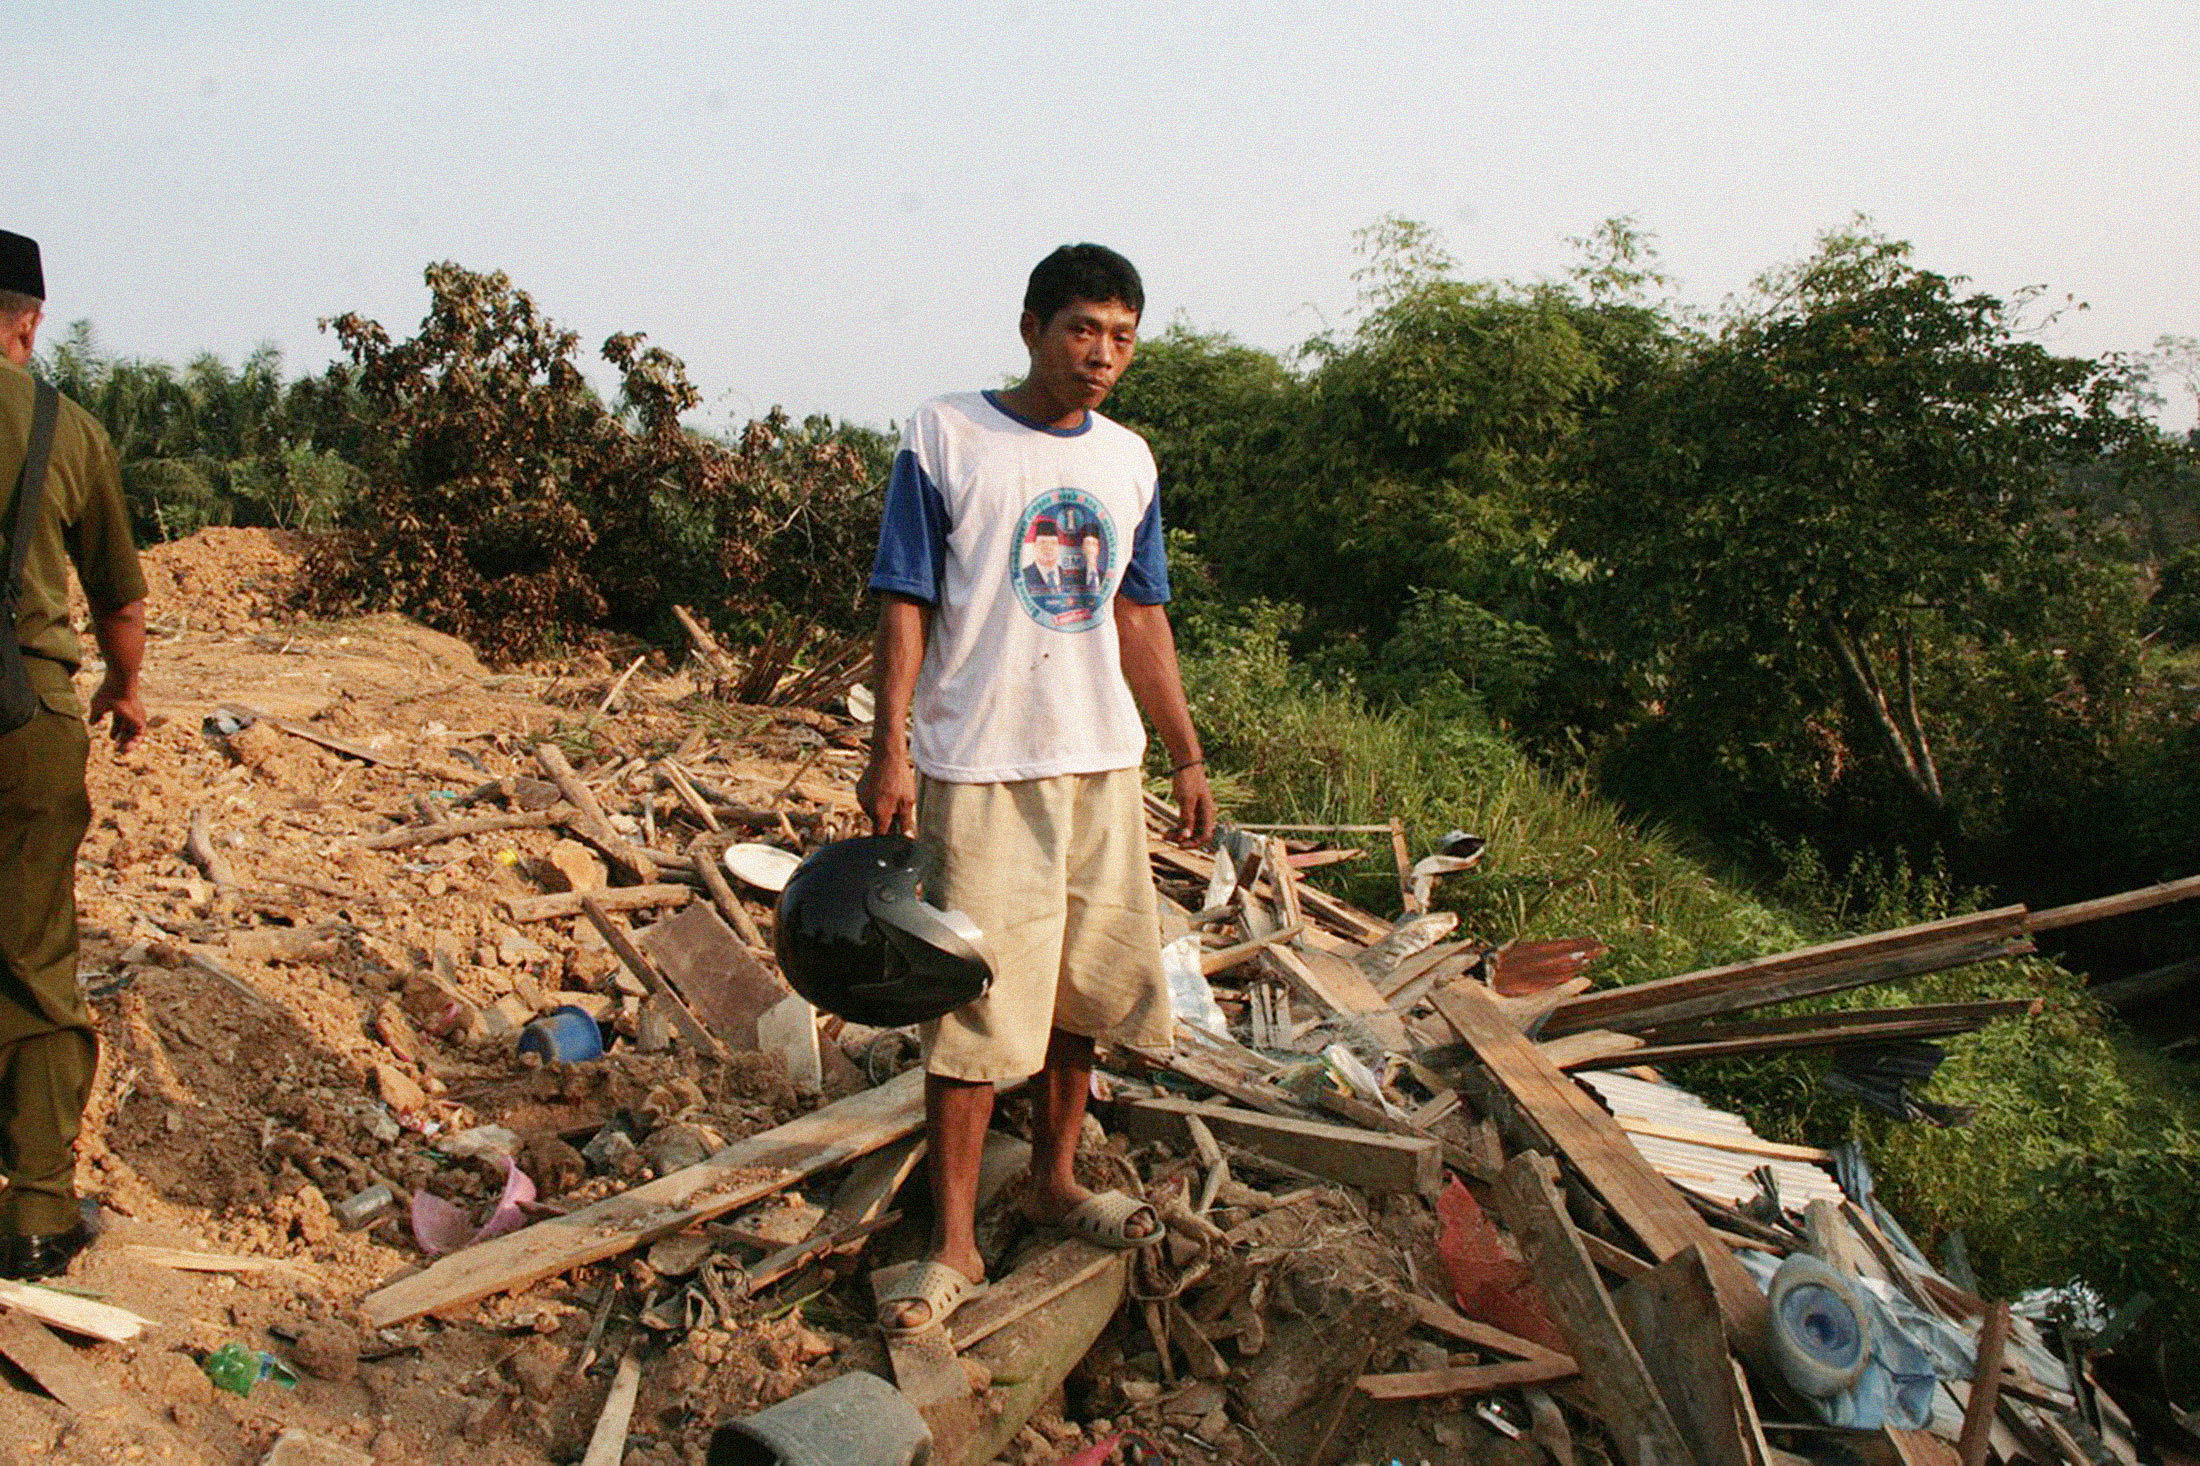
(1020, 537)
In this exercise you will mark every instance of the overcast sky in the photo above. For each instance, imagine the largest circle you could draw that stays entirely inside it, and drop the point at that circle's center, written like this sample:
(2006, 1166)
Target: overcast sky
(835, 211)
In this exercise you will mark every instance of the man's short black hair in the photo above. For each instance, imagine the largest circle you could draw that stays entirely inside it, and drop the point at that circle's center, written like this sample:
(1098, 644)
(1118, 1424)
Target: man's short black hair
(1083, 272)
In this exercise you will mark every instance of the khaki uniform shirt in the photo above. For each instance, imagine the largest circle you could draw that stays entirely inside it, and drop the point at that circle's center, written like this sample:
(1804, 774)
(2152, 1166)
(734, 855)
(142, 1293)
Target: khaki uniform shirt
(83, 520)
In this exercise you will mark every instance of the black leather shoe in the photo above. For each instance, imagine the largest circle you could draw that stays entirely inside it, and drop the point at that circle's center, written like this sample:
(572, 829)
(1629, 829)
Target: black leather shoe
(43, 1256)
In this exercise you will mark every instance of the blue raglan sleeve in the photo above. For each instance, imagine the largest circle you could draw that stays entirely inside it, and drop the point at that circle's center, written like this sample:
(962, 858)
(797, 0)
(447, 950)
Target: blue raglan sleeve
(912, 533)
(1146, 577)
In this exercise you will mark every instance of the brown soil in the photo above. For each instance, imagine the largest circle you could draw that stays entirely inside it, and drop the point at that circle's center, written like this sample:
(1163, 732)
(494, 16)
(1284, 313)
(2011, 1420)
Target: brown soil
(235, 1117)
(233, 1124)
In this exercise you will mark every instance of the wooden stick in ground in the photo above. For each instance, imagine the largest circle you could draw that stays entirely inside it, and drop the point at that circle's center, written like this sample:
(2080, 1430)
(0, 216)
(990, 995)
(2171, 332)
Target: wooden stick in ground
(713, 877)
(588, 815)
(706, 646)
(1610, 1364)
(619, 686)
(691, 799)
(1405, 868)
(198, 846)
(620, 941)
(625, 898)
(409, 836)
(607, 1446)
(1978, 1412)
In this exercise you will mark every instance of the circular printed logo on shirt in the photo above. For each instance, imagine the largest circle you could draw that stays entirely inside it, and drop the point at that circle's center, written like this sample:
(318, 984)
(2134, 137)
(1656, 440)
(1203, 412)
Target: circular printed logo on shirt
(1065, 551)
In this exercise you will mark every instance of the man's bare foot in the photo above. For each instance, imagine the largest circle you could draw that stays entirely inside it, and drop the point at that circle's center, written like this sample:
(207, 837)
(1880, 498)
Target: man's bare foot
(1050, 1206)
(917, 1315)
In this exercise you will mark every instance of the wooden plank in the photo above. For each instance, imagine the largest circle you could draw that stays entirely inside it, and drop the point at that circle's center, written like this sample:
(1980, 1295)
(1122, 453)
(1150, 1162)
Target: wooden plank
(1982, 1010)
(61, 1373)
(71, 1314)
(1483, 1336)
(332, 743)
(713, 876)
(213, 1262)
(1341, 988)
(926, 1368)
(1673, 1317)
(621, 941)
(1032, 1286)
(714, 974)
(1620, 1382)
(1578, 1050)
(1348, 1156)
(1613, 1258)
(2145, 987)
(1818, 981)
(1222, 959)
(406, 837)
(1595, 1010)
(1978, 1411)
(1476, 1379)
(622, 898)
(1839, 1035)
(607, 1442)
(2121, 904)
(871, 1184)
(1406, 903)
(691, 799)
(744, 1172)
(588, 816)
(1595, 1146)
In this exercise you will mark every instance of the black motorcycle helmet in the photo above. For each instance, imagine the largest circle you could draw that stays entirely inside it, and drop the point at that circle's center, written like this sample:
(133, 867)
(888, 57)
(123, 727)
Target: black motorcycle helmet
(855, 939)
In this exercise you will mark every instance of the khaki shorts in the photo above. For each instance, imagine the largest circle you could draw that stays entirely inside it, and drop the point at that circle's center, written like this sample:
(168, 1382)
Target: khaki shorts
(1055, 873)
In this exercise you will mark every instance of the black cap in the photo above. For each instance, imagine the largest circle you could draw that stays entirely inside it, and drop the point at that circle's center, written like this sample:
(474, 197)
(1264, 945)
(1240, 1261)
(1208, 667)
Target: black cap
(19, 270)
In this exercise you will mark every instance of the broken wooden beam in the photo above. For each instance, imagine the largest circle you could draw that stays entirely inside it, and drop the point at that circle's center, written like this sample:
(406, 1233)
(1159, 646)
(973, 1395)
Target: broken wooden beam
(1612, 1367)
(743, 1173)
(619, 898)
(1593, 1144)
(1819, 1031)
(1673, 1317)
(1222, 959)
(2123, 903)
(607, 1442)
(588, 818)
(71, 1314)
(621, 942)
(407, 837)
(1786, 985)
(1685, 993)
(1979, 1410)
(1340, 1153)
(1473, 1379)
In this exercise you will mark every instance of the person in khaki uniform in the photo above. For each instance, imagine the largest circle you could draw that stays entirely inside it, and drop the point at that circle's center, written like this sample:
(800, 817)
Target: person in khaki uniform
(47, 1044)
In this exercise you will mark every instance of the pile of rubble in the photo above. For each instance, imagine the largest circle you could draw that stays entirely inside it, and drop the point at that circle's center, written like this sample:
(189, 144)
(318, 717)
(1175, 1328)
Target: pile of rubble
(450, 1094)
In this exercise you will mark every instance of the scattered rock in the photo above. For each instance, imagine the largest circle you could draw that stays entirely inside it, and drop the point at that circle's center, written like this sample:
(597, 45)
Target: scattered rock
(398, 1091)
(572, 866)
(296, 1447)
(328, 1351)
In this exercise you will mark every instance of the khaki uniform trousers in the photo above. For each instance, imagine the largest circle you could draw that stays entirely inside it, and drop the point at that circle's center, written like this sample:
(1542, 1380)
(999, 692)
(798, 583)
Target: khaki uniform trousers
(47, 1044)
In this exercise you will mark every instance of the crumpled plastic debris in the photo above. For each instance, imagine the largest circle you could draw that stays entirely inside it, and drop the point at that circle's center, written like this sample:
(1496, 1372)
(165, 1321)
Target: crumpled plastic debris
(441, 1226)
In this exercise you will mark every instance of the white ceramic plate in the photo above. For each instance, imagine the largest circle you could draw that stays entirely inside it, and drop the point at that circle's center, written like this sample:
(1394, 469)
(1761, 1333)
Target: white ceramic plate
(764, 866)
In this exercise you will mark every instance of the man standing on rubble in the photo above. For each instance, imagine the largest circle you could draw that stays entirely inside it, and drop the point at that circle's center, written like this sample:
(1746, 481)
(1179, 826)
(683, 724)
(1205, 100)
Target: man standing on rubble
(1019, 772)
(47, 1045)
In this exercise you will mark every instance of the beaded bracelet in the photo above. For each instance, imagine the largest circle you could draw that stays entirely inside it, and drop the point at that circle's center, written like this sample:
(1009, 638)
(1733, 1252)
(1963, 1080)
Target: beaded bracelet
(1190, 763)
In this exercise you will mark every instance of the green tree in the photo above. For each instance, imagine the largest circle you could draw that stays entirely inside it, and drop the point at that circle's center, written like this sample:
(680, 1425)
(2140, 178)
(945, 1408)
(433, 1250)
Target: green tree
(1861, 473)
(509, 504)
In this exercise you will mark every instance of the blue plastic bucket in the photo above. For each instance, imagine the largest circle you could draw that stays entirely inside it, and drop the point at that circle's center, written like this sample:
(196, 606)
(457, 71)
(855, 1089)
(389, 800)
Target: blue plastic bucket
(566, 1035)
